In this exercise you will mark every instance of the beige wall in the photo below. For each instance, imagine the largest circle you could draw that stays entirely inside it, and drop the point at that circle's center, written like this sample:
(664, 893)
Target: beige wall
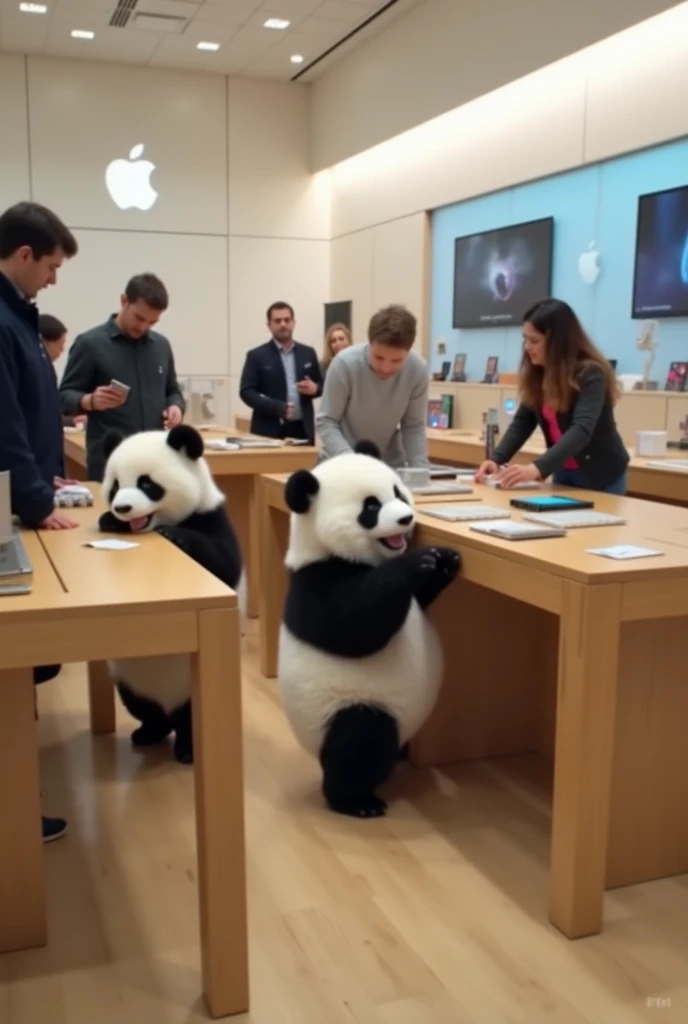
(444, 53)
(239, 220)
(619, 95)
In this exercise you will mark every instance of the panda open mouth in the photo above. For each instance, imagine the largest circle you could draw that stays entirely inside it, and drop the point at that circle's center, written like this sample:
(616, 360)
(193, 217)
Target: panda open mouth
(395, 543)
(139, 523)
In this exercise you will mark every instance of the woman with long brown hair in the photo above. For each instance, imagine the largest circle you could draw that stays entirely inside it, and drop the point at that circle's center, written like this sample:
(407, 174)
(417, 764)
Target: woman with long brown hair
(568, 389)
(337, 338)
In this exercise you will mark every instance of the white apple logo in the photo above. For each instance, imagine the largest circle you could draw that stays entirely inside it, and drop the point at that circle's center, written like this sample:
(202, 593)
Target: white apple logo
(589, 264)
(128, 181)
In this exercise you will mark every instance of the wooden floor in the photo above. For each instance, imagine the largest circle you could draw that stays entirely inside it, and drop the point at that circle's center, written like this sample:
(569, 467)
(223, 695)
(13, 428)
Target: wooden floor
(433, 915)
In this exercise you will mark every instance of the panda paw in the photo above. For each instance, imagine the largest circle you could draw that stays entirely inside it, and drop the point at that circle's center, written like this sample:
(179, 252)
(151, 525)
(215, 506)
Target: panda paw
(443, 561)
(174, 537)
(370, 806)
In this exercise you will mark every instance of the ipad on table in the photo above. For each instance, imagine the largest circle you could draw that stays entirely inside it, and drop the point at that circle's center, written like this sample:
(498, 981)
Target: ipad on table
(550, 503)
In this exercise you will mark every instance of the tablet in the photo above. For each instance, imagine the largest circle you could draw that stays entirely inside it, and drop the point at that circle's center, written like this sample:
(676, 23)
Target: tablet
(550, 503)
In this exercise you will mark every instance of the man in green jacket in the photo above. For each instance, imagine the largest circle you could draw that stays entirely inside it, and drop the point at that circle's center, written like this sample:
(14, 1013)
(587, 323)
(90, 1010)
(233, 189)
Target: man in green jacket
(123, 351)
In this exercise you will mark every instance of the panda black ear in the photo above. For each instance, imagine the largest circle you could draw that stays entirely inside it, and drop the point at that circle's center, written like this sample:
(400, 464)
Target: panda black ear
(112, 440)
(299, 489)
(186, 439)
(368, 448)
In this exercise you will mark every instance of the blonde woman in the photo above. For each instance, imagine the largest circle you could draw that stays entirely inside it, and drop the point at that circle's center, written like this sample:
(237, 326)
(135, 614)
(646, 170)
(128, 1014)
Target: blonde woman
(337, 338)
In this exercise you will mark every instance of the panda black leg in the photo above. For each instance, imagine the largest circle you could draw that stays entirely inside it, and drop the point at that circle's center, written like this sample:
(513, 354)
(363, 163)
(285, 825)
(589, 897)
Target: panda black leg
(155, 724)
(183, 744)
(359, 752)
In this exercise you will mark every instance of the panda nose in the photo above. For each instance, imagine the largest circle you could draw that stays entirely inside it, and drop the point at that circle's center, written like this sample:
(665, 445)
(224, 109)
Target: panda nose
(405, 520)
(123, 509)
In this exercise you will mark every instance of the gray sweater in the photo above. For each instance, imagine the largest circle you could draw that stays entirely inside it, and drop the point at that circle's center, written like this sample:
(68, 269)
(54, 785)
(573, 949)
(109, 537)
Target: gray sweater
(358, 406)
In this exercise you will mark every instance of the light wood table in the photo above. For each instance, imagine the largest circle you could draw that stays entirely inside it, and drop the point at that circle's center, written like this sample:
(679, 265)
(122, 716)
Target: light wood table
(236, 474)
(90, 605)
(460, 448)
(577, 658)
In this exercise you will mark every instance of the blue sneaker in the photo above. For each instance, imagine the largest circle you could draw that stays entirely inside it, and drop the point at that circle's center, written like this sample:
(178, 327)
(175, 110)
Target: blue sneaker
(53, 828)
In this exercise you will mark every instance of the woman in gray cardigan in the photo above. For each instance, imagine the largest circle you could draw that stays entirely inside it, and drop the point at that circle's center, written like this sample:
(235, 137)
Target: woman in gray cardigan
(568, 389)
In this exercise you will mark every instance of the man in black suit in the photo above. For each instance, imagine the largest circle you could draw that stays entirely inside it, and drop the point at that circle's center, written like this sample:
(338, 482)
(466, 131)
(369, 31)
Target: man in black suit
(280, 379)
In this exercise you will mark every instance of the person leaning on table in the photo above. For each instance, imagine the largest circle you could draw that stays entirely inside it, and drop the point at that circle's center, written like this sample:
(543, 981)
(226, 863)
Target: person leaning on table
(568, 389)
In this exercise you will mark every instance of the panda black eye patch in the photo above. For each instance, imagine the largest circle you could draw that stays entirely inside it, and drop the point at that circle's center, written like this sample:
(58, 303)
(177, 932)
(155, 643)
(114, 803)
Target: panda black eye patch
(398, 494)
(113, 491)
(149, 487)
(368, 515)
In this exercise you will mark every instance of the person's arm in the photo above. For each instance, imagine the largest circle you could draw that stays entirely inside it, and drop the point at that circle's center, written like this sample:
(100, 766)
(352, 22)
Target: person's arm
(32, 499)
(586, 413)
(317, 375)
(78, 380)
(517, 433)
(173, 393)
(335, 399)
(413, 432)
(252, 396)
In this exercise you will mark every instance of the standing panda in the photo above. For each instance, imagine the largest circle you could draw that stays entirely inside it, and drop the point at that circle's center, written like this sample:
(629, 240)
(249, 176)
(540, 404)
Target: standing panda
(155, 480)
(360, 665)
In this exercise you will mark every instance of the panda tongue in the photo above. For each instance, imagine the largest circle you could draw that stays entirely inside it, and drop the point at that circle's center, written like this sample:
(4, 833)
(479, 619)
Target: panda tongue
(139, 523)
(397, 541)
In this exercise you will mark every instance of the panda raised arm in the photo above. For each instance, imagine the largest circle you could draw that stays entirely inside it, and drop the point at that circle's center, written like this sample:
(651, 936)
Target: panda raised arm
(360, 665)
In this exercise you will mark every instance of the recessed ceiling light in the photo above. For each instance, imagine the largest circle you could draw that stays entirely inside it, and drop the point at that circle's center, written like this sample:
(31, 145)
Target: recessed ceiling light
(207, 46)
(79, 33)
(296, 58)
(276, 23)
(33, 8)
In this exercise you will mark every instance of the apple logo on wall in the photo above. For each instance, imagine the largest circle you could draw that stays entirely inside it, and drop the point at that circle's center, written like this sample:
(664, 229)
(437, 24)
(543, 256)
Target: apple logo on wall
(589, 264)
(128, 181)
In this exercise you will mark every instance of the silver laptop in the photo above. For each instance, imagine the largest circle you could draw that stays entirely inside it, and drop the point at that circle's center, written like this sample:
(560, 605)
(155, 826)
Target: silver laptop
(16, 571)
(6, 532)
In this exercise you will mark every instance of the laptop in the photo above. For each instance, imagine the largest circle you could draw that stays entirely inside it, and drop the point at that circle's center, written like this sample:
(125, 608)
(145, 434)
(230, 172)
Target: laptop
(16, 571)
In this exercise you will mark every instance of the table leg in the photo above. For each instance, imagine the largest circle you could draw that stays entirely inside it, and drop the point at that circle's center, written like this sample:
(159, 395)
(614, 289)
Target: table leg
(274, 536)
(239, 492)
(586, 704)
(218, 777)
(101, 699)
(23, 923)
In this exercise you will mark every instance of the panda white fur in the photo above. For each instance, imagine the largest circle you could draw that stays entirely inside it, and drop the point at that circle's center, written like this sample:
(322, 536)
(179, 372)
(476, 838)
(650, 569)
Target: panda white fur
(360, 665)
(155, 480)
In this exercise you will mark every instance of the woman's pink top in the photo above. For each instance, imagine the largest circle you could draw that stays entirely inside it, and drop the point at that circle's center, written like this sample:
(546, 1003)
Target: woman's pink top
(550, 418)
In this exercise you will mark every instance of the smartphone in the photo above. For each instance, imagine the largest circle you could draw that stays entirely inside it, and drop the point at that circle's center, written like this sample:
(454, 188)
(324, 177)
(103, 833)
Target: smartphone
(117, 385)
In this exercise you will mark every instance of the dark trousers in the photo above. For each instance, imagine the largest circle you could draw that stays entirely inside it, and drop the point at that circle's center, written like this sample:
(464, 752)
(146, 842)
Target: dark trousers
(295, 429)
(44, 673)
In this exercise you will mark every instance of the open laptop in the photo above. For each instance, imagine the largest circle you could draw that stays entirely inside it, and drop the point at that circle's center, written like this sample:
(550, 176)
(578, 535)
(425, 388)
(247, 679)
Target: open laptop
(16, 571)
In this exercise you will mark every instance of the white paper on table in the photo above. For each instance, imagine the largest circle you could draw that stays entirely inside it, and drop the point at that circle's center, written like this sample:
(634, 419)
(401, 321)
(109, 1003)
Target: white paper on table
(111, 545)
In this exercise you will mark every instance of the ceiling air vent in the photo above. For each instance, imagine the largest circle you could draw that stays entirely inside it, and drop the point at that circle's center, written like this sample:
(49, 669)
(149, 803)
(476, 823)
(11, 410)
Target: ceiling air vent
(122, 13)
(157, 22)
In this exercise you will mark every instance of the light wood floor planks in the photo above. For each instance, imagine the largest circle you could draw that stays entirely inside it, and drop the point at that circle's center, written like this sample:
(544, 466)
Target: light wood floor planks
(434, 915)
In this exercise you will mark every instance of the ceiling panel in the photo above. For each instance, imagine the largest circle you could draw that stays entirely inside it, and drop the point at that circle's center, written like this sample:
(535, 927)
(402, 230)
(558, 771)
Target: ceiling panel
(246, 47)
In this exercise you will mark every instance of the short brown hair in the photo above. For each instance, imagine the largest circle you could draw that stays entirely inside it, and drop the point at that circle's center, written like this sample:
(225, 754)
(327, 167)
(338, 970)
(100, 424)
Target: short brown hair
(149, 289)
(394, 326)
(36, 226)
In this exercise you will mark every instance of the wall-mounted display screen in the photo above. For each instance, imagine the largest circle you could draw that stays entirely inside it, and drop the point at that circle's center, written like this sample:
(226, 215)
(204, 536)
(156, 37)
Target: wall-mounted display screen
(499, 274)
(660, 280)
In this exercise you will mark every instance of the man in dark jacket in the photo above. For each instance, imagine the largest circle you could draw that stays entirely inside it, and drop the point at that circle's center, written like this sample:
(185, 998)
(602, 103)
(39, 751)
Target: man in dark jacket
(125, 350)
(280, 379)
(33, 245)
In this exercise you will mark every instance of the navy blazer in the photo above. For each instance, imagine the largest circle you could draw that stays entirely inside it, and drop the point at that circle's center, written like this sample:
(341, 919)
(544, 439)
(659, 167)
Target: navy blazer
(263, 387)
(31, 434)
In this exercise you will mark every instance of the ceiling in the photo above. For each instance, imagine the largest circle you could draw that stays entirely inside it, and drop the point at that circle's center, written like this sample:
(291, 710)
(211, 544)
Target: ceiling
(165, 33)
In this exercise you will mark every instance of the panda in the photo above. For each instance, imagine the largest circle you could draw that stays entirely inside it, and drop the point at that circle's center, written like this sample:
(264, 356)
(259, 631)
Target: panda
(360, 665)
(159, 480)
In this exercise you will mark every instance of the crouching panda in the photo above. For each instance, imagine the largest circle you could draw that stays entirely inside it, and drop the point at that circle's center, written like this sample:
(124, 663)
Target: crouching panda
(158, 480)
(360, 665)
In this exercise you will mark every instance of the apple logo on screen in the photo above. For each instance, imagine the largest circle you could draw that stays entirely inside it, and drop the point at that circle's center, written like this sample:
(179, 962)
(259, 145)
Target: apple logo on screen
(128, 181)
(589, 264)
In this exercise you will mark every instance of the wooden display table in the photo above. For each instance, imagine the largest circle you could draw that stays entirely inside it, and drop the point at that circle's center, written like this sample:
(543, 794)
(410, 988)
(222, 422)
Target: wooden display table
(236, 474)
(578, 658)
(90, 605)
(459, 448)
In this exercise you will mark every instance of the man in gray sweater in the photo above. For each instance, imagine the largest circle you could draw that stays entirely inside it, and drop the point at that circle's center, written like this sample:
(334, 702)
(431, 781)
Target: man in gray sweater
(378, 392)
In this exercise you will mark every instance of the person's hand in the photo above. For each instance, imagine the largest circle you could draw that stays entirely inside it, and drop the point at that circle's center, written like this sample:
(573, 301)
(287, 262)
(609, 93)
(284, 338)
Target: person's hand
(288, 410)
(106, 397)
(487, 468)
(307, 387)
(59, 482)
(172, 416)
(513, 475)
(57, 521)
(79, 420)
